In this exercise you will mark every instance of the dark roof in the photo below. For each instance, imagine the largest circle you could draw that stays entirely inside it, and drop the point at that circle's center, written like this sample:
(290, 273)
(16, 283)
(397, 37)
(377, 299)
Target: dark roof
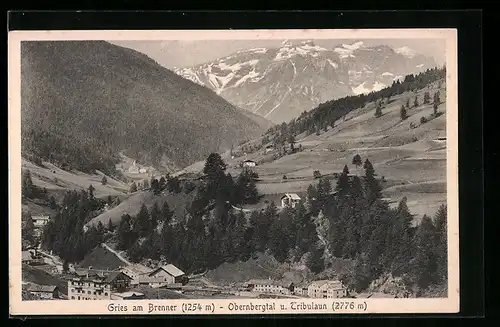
(42, 288)
(170, 269)
(110, 277)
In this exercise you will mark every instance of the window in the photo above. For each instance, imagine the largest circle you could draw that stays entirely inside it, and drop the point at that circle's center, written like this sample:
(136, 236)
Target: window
(72, 297)
(89, 292)
(106, 294)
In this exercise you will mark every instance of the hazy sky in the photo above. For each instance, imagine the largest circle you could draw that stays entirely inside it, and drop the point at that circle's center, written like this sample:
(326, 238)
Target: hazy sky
(184, 53)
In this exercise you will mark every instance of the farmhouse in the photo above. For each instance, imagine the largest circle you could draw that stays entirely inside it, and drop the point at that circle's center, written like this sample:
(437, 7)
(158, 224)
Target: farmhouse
(135, 271)
(46, 292)
(40, 221)
(89, 288)
(270, 286)
(117, 280)
(301, 289)
(290, 199)
(326, 289)
(133, 169)
(249, 163)
(170, 274)
(27, 257)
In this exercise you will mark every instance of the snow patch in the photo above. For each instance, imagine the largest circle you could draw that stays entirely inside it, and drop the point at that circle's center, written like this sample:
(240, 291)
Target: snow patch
(406, 51)
(333, 64)
(250, 75)
(387, 74)
(420, 66)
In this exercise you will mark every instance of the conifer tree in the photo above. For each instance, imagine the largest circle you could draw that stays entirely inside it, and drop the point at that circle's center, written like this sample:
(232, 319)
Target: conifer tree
(91, 191)
(427, 97)
(356, 160)
(403, 113)
(104, 180)
(315, 261)
(372, 185)
(125, 237)
(441, 241)
(111, 227)
(378, 110)
(343, 181)
(425, 262)
(407, 105)
(162, 183)
(133, 187)
(27, 187)
(166, 213)
(142, 222)
(415, 102)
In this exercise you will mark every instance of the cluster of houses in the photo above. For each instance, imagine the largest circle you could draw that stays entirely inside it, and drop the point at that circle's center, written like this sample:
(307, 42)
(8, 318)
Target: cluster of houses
(39, 222)
(92, 284)
(318, 289)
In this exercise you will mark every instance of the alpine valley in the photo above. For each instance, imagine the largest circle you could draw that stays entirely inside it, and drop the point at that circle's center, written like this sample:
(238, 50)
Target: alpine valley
(281, 83)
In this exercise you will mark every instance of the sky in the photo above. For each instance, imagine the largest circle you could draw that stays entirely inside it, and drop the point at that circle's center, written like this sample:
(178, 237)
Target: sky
(186, 53)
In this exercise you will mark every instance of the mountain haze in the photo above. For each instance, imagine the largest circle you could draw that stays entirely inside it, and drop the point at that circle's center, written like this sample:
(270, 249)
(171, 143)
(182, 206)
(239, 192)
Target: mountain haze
(281, 83)
(94, 99)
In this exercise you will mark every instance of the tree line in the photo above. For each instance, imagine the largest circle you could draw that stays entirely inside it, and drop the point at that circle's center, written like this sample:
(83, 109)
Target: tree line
(329, 113)
(350, 221)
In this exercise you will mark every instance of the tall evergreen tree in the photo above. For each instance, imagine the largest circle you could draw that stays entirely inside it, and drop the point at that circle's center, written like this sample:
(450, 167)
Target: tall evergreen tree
(441, 242)
(372, 185)
(27, 187)
(166, 213)
(133, 188)
(142, 222)
(425, 263)
(403, 113)
(427, 97)
(315, 261)
(356, 160)
(415, 102)
(343, 181)
(104, 180)
(378, 110)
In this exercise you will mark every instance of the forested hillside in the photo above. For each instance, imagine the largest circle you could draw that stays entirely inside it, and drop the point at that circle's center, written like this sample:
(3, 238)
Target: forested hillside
(84, 101)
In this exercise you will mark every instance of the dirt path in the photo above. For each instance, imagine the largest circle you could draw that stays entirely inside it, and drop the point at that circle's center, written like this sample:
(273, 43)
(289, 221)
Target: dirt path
(118, 255)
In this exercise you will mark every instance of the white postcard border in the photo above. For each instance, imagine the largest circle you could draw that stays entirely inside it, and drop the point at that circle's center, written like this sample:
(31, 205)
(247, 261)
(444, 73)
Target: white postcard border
(223, 306)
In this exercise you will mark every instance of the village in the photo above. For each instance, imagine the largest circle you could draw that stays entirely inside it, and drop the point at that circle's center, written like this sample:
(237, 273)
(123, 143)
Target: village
(136, 281)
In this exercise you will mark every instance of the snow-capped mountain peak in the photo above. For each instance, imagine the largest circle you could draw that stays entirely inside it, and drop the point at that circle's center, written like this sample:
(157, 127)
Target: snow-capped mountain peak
(406, 51)
(280, 83)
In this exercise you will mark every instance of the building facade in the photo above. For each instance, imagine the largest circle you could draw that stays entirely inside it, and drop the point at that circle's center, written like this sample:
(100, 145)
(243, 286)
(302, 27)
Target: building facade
(89, 288)
(290, 199)
(270, 286)
(169, 274)
(44, 292)
(326, 289)
(249, 163)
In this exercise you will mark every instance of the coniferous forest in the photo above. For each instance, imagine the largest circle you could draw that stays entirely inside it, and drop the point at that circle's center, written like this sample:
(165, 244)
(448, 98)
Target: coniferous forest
(349, 220)
(331, 112)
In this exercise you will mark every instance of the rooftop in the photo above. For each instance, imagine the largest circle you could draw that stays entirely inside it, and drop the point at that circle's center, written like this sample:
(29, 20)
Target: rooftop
(292, 196)
(171, 269)
(268, 282)
(26, 255)
(42, 288)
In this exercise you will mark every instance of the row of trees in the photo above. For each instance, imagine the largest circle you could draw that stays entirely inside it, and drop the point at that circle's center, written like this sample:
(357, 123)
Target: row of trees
(350, 221)
(64, 233)
(326, 114)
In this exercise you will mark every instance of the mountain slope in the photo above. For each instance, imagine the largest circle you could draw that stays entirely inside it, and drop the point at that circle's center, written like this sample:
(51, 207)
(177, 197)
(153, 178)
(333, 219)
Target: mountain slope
(91, 99)
(281, 83)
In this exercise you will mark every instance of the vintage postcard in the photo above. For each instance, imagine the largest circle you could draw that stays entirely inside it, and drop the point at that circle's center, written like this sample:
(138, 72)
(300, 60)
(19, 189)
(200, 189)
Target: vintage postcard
(233, 172)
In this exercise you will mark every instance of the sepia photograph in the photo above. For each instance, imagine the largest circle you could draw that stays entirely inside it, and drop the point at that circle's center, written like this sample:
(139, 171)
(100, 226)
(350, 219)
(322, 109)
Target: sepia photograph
(233, 172)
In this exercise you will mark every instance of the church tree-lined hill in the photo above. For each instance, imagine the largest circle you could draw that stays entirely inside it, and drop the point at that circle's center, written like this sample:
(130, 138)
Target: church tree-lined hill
(84, 101)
